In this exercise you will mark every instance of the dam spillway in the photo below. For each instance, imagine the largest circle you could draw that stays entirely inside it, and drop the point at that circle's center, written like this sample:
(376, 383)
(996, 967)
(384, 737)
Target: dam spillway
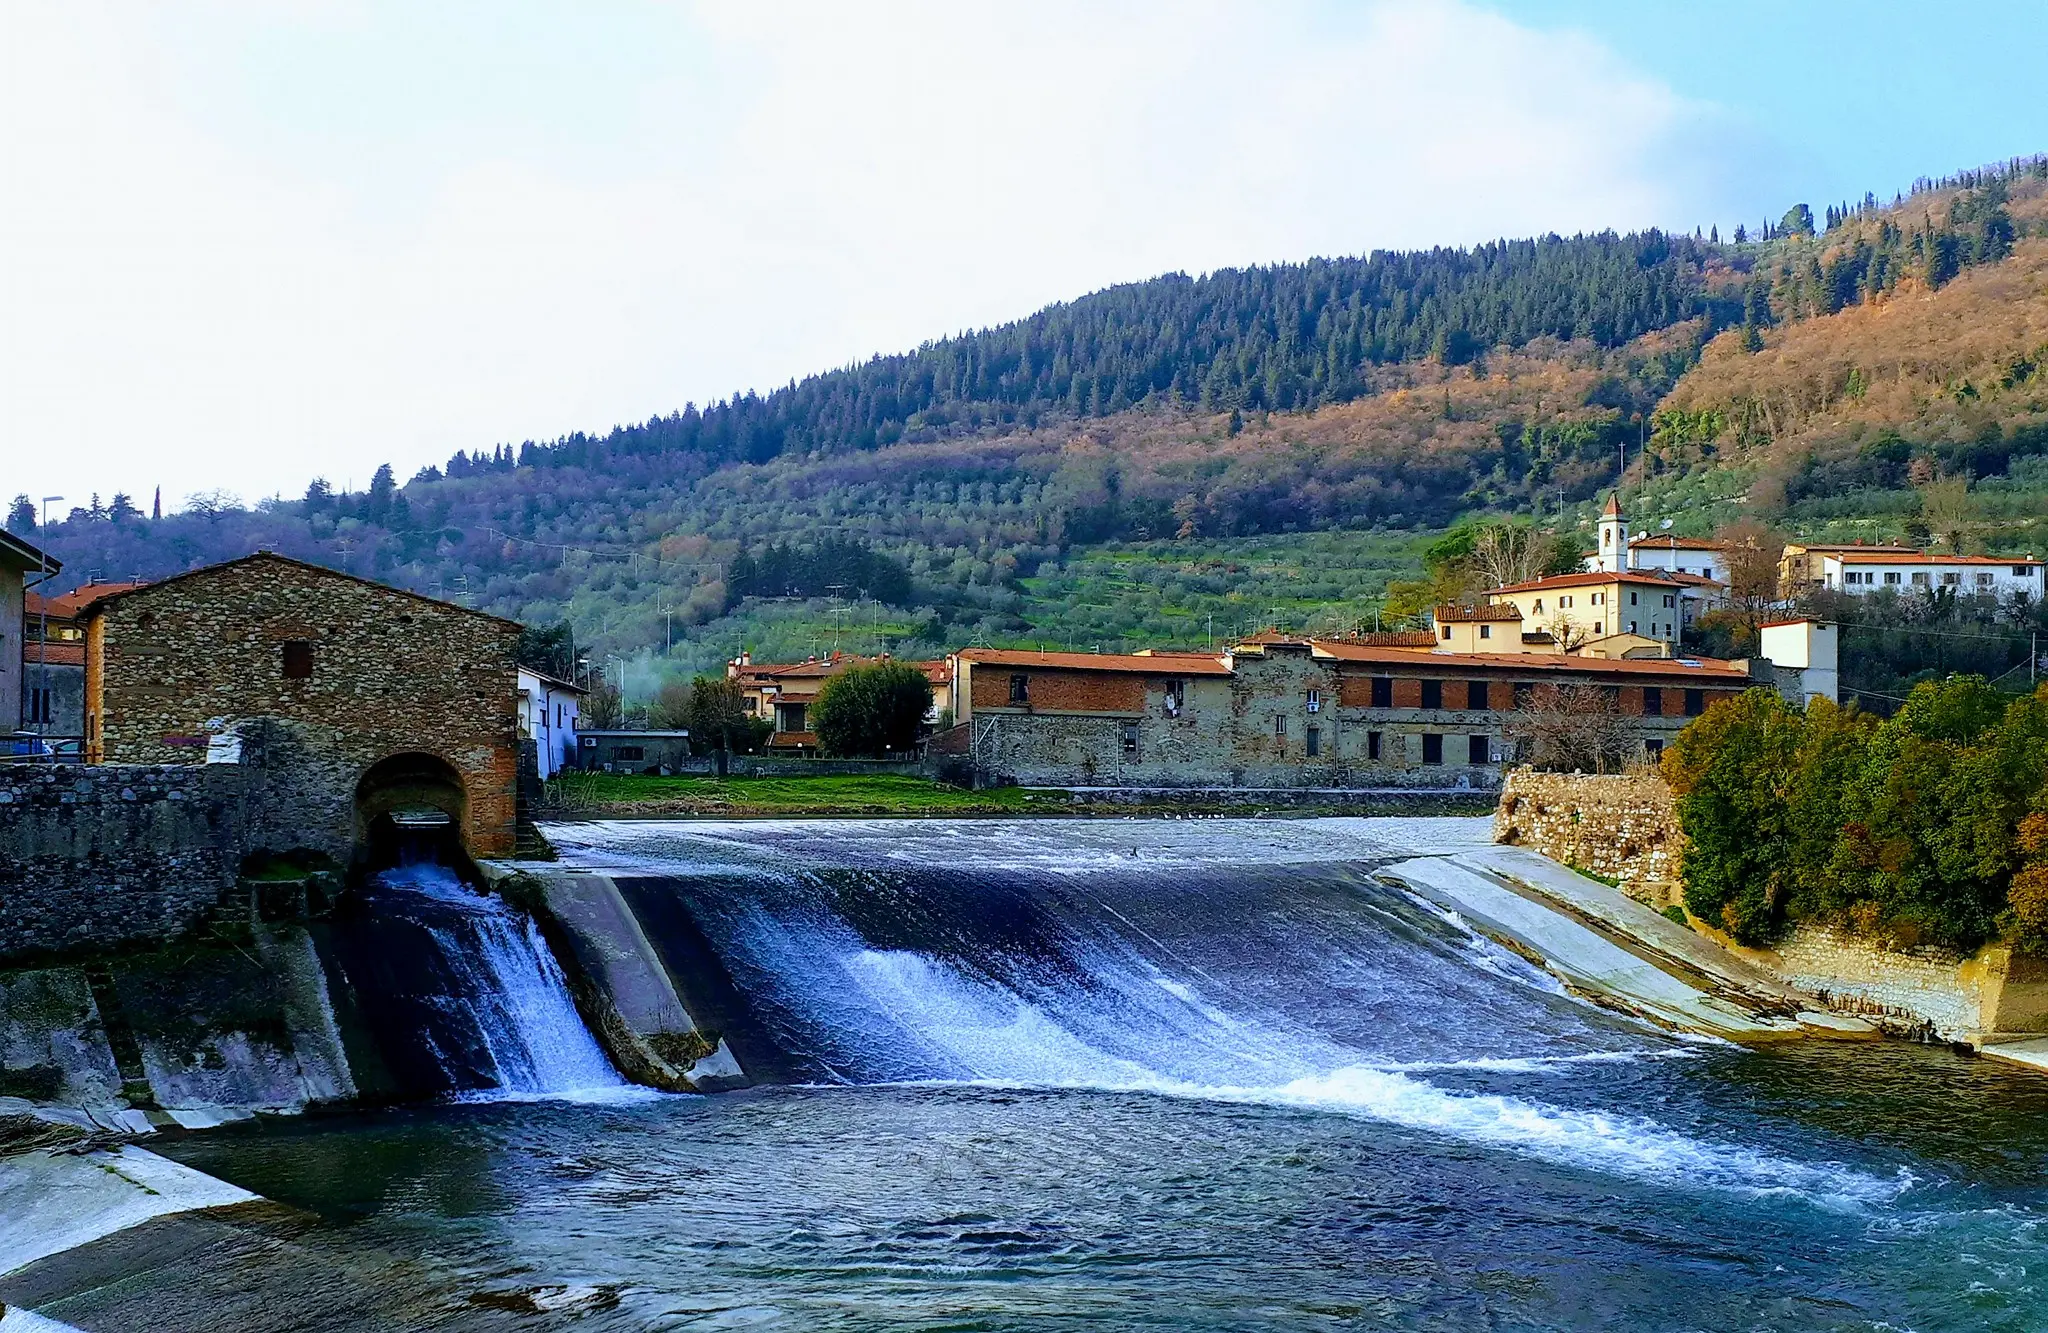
(1173, 1074)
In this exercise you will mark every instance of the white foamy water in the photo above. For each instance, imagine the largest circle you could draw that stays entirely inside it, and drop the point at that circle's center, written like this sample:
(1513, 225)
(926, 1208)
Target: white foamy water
(508, 991)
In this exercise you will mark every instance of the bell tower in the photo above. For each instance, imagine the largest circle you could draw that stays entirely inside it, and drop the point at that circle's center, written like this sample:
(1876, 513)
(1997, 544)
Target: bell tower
(1612, 556)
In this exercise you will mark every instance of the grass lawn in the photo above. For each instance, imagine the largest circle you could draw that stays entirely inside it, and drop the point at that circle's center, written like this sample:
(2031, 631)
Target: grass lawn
(618, 795)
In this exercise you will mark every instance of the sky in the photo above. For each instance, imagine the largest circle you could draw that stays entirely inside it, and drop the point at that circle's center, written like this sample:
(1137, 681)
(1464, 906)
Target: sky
(248, 242)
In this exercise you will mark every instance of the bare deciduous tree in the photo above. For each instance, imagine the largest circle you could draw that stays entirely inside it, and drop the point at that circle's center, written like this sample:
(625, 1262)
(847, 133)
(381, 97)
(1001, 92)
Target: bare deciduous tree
(1505, 553)
(1945, 505)
(1573, 726)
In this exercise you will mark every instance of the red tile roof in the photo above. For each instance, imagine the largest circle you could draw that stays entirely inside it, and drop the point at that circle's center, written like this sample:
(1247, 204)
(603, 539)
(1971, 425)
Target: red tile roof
(1867, 555)
(1160, 664)
(1697, 667)
(70, 605)
(1459, 615)
(1599, 578)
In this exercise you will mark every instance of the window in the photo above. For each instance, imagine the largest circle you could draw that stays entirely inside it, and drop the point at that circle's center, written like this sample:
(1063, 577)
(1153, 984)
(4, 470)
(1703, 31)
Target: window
(1695, 702)
(1315, 701)
(1382, 691)
(789, 717)
(1653, 701)
(1446, 632)
(1280, 728)
(1478, 750)
(1130, 738)
(1653, 747)
(1920, 579)
(298, 659)
(1432, 694)
(1537, 610)
(1432, 749)
(1522, 691)
(1563, 603)
(1020, 690)
(1984, 578)
(1891, 576)
(1631, 599)
(38, 707)
(1670, 599)
(1950, 579)
(1475, 694)
(629, 752)
(1599, 599)
(1631, 626)
(1486, 631)
(1372, 745)
(1176, 696)
(1314, 741)
(2023, 571)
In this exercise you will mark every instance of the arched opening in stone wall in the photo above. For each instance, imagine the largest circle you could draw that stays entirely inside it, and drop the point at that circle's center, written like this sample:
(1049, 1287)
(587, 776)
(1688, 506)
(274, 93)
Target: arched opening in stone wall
(411, 807)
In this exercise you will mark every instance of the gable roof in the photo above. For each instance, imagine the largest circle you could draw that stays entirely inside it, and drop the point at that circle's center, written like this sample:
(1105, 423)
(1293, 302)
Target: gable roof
(20, 554)
(145, 589)
(1866, 555)
(1662, 578)
(1162, 664)
(1696, 668)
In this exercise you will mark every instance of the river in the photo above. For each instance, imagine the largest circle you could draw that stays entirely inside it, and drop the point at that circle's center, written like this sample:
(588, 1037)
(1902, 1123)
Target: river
(1172, 1074)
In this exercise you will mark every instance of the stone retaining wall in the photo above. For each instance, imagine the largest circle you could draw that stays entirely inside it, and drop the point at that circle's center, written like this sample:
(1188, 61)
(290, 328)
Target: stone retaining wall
(1621, 828)
(97, 857)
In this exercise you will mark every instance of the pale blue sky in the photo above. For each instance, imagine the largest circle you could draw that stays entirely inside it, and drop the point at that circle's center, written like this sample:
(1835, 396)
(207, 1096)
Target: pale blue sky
(265, 241)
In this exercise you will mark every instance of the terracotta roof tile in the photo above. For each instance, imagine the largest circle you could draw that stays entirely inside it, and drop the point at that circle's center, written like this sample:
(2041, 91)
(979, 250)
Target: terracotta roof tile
(1152, 665)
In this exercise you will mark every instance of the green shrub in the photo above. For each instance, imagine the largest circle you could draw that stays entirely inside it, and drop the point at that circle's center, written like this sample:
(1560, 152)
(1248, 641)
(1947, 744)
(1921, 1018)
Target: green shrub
(871, 710)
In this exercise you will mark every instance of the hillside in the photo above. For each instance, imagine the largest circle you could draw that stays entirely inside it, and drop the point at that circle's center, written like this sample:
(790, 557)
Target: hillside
(1254, 444)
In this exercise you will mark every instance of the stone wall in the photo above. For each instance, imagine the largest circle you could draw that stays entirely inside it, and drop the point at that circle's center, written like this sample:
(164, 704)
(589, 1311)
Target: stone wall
(98, 857)
(1621, 828)
(367, 674)
(1931, 992)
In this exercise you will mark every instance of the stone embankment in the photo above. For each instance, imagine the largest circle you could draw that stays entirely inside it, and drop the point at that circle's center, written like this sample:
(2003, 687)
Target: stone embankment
(1621, 828)
(1625, 829)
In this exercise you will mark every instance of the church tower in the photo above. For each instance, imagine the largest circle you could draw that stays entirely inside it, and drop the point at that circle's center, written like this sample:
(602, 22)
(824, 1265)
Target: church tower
(1612, 557)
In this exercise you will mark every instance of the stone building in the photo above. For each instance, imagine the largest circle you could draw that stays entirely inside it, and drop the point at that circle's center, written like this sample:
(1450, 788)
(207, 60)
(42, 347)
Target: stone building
(371, 699)
(1287, 712)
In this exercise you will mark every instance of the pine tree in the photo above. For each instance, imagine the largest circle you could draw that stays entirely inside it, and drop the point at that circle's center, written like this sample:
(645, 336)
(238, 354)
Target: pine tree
(21, 515)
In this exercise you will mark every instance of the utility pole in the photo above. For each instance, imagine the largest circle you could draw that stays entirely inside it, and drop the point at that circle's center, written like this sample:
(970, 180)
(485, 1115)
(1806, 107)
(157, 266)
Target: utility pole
(42, 695)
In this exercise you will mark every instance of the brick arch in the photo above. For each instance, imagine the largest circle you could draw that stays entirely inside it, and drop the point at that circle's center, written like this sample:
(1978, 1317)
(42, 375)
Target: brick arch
(408, 780)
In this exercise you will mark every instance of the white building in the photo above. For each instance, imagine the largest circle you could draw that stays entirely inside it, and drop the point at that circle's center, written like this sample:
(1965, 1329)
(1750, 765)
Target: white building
(1619, 552)
(1861, 572)
(547, 715)
(1808, 647)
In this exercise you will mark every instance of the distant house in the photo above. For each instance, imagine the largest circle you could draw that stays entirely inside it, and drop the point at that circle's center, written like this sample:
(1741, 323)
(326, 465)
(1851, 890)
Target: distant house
(784, 693)
(18, 561)
(1651, 609)
(648, 752)
(548, 710)
(53, 664)
(1863, 571)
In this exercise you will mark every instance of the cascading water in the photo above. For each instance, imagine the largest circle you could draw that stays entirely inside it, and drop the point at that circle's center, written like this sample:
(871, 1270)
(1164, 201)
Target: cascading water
(1196, 969)
(473, 996)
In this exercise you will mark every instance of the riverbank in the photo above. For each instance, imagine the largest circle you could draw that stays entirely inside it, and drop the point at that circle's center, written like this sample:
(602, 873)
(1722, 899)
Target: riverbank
(862, 796)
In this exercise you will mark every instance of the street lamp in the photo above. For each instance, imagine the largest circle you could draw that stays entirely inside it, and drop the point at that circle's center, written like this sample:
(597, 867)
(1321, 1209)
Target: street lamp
(41, 698)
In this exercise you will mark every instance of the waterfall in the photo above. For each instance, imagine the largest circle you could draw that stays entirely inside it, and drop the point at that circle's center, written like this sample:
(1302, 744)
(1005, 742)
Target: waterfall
(469, 980)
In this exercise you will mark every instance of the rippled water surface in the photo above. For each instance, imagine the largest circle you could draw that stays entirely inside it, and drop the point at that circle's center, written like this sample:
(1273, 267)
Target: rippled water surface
(1145, 1076)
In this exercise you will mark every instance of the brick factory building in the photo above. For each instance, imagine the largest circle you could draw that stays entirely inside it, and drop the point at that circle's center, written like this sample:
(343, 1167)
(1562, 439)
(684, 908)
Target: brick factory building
(366, 698)
(1277, 711)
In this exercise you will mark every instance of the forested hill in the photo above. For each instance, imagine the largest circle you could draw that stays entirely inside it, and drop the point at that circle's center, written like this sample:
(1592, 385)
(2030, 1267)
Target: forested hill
(1004, 485)
(1282, 338)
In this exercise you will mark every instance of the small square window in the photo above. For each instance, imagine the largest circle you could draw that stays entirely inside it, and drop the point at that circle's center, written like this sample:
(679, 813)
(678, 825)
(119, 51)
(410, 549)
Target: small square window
(1486, 631)
(1446, 632)
(298, 659)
